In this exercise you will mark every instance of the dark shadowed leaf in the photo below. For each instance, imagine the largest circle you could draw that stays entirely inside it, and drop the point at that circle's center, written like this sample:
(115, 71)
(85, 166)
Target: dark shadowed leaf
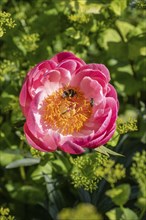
(28, 194)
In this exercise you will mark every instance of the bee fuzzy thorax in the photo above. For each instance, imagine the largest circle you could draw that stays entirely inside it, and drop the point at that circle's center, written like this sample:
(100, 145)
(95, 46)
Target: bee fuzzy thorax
(92, 102)
(69, 93)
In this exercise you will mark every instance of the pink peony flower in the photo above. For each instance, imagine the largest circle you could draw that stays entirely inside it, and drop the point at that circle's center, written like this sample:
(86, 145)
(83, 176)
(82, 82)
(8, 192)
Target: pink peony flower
(69, 105)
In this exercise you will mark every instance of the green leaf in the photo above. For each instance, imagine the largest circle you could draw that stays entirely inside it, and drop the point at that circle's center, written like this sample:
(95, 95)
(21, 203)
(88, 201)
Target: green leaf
(59, 166)
(121, 214)
(8, 157)
(141, 203)
(114, 140)
(55, 197)
(129, 214)
(118, 50)
(109, 35)
(23, 162)
(119, 194)
(107, 151)
(114, 214)
(71, 32)
(118, 6)
(126, 79)
(28, 194)
(40, 169)
(124, 28)
(136, 47)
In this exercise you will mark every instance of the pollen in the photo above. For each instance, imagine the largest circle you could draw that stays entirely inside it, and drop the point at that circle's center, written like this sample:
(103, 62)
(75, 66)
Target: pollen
(66, 110)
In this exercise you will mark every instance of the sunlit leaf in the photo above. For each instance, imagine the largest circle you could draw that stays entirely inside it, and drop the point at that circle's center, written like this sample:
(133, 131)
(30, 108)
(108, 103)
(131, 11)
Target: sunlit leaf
(114, 214)
(141, 203)
(109, 35)
(119, 194)
(124, 28)
(123, 214)
(107, 151)
(118, 6)
(8, 157)
(114, 140)
(129, 214)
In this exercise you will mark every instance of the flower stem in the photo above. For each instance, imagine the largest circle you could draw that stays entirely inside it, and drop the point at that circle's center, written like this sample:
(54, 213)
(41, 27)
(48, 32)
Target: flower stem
(22, 173)
(142, 213)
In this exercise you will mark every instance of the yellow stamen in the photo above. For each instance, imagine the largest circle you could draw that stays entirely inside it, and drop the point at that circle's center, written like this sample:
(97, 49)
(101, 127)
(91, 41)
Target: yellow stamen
(66, 113)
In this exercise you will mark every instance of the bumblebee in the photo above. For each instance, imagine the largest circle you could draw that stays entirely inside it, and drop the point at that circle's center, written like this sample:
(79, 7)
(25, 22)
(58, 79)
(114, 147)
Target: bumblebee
(69, 93)
(92, 102)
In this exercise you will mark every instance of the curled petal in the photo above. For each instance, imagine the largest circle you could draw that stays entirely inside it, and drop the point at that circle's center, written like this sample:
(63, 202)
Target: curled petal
(81, 73)
(94, 91)
(69, 65)
(34, 141)
(72, 148)
(25, 99)
(100, 68)
(60, 57)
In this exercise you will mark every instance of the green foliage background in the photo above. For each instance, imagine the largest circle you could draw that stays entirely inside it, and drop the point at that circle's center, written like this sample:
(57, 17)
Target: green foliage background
(112, 32)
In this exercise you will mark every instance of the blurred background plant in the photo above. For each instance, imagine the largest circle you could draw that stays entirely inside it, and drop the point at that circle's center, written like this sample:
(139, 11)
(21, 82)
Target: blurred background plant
(37, 185)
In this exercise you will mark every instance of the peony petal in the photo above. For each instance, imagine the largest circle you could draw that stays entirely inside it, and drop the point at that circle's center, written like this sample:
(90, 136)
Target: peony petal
(60, 57)
(65, 76)
(69, 65)
(50, 87)
(103, 122)
(80, 74)
(112, 92)
(54, 76)
(46, 65)
(72, 148)
(84, 137)
(107, 137)
(34, 141)
(64, 70)
(42, 141)
(100, 68)
(96, 141)
(92, 89)
(24, 99)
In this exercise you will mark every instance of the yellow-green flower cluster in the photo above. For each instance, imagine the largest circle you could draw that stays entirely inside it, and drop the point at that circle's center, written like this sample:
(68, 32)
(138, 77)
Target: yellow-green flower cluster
(125, 127)
(80, 15)
(36, 153)
(89, 169)
(7, 67)
(138, 170)
(141, 4)
(83, 173)
(5, 21)
(81, 212)
(4, 214)
(27, 42)
(111, 172)
(79, 18)
(80, 180)
(30, 41)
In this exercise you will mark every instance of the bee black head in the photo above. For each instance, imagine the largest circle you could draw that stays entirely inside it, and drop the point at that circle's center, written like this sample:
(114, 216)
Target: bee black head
(69, 93)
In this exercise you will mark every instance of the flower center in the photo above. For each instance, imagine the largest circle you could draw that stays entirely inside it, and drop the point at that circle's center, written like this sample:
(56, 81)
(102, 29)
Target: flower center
(66, 110)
